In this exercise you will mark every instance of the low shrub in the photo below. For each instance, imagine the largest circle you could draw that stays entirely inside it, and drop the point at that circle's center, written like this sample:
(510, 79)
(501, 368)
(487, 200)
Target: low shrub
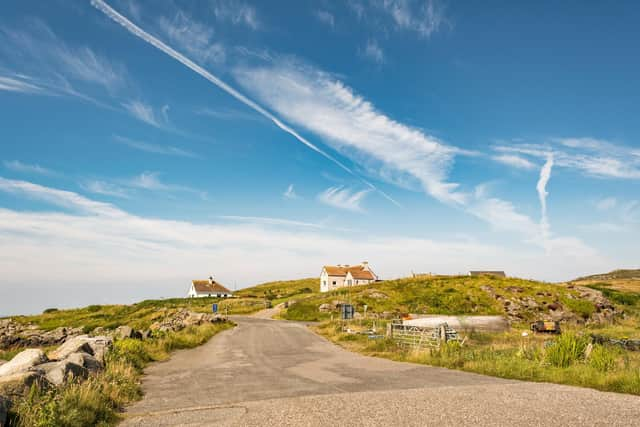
(566, 349)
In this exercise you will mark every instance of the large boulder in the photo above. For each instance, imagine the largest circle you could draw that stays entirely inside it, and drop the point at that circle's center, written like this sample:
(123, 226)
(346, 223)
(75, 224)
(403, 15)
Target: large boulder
(57, 373)
(85, 360)
(23, 361)
(95, 346)
(73, 345)
(17, 385)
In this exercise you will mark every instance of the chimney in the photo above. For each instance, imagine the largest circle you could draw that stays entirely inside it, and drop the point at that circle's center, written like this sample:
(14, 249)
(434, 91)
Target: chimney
(211, 280)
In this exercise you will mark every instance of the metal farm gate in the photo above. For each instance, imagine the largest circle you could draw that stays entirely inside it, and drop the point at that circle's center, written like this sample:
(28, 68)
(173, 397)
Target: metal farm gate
(421, 336)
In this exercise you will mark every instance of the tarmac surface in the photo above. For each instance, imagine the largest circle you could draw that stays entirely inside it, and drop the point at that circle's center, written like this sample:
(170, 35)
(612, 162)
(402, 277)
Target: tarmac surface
(266, 372)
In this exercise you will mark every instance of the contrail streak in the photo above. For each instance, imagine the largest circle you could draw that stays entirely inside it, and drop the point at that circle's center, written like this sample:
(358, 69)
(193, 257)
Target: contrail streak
(139, 32)
(541, 187)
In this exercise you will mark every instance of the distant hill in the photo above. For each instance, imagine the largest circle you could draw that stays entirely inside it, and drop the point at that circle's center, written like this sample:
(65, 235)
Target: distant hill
(613, 275)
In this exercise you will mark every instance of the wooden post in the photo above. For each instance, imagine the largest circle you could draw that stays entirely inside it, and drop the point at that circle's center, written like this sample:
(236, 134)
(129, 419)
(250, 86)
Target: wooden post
(389, 330)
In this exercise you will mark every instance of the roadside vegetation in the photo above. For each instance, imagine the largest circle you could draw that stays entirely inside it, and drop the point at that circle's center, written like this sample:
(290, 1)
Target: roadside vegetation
(565, 359)
(99, 400)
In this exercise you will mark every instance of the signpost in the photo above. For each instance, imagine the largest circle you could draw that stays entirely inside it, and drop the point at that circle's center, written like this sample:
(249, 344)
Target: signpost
(214, 308)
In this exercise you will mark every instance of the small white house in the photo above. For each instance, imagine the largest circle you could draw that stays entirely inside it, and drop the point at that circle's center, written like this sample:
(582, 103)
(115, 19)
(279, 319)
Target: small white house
(208, 288)
(340, 276)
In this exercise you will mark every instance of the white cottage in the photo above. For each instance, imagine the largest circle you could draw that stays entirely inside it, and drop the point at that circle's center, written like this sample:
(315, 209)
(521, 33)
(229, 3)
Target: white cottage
(208, 288)
(340, 276)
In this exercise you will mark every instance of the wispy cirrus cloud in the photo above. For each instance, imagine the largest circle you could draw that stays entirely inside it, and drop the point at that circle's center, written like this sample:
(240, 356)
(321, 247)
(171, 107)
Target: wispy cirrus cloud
(326, 18)
(290, 193)
(343, 198)
(193, 37)
(373, 52)
(593, 157)
(58, 66)
(146, 113)
(237, 12)
(350, 124)
(18, 166)
(105, 188)
(421, 17)
(20, 84)
(515, 161)
(228, 114)
(148, 147)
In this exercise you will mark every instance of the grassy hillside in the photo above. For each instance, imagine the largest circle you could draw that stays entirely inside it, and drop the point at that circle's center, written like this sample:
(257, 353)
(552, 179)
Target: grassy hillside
(282, 290)
(615, 274)
(621, 280)
(450, 295)
(138, 316)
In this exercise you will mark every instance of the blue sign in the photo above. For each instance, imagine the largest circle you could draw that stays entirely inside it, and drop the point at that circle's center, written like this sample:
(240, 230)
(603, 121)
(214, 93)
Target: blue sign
(214, 308)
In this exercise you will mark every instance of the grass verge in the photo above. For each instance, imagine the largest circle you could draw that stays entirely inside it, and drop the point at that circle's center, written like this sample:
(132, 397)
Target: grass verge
(562, 360)
(99, 400)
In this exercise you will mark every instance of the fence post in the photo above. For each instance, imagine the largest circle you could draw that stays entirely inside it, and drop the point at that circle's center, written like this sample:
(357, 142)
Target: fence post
(443, 333)
(389, 330)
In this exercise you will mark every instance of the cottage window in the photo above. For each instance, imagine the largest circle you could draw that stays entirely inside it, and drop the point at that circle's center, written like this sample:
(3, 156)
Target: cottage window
(334, 283)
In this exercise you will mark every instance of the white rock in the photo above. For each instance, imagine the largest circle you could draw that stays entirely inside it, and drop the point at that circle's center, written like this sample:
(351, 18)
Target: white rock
(59, 372)
(73, 345)
(23, 361)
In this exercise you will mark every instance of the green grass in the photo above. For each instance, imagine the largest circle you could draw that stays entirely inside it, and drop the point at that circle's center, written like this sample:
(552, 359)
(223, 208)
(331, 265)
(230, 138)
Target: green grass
(460, 295)
(138, 316)
(561, 360)
(282, 290)
(99, 400)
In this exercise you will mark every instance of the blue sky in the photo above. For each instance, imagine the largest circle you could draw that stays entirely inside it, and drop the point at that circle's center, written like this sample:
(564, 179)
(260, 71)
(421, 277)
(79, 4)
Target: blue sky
(145, 144)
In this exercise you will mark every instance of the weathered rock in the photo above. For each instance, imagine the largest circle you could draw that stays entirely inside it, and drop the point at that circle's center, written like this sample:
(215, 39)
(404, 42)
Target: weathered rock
(18, 384)
(23, 361)
(124, 332)
(100, 346)
(57, 373)
(85, 360)
(554, 306)
(4, 410)
(325, 308)
(146, 334)
(73, 345)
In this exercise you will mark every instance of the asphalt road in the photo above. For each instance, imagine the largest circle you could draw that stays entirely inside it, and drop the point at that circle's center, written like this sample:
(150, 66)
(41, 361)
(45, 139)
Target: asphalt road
(275, 373)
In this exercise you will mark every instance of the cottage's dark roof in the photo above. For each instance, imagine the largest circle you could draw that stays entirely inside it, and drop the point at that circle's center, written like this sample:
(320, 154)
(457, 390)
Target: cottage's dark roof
(205, 286)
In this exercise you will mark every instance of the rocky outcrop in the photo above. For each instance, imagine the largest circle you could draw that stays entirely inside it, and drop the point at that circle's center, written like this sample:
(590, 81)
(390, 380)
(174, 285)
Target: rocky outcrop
(94, 346)
(546, 305)
(18, 384)
(14, 334)
(183, 319)
(23, 361)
